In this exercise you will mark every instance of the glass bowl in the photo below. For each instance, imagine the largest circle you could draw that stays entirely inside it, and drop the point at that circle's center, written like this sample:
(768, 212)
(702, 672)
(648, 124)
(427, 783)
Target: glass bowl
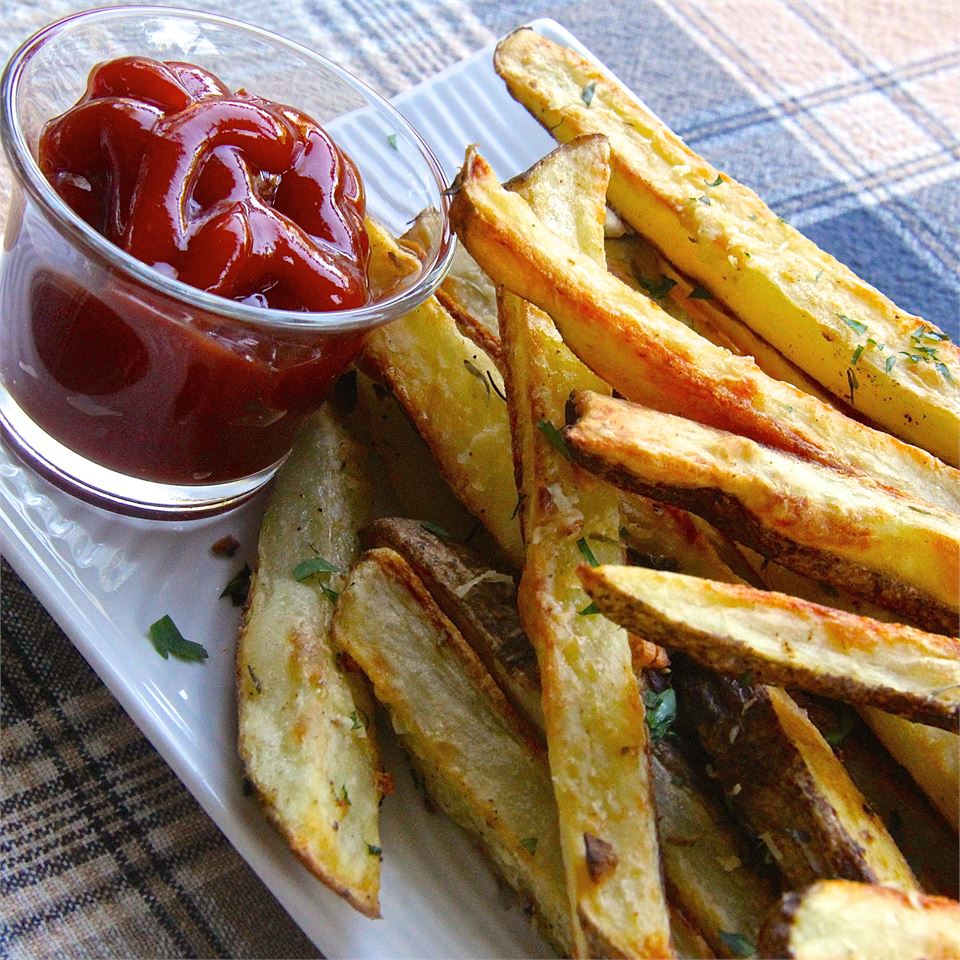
(136, 391)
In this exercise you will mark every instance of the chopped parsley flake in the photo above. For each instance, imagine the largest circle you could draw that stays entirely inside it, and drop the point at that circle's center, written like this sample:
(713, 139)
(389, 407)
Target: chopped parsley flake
(700, 293)
(329, 593)
(845, 725)
(392, 140)
(891, 360)
(587, 553)
(944, 372)
(854, 325)
(716, 183)
(590, 610)
(657, 289)
(358, 719)
(313, 567)
(529, 844)
(852, 382)
(555, 438)
(661, 712)
(857, 354)
(737, 944)
(435, 529)
(586, 94)
(374, 850)
(167, 639)
(238, 587)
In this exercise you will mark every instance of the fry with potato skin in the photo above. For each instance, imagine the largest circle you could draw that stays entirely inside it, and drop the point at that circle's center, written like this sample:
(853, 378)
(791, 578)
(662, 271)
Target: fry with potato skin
(785, 784)
(897, 551)
(650, 357)
(837, 918)
(306, 727)
(596, 736)
(786, 641)
(816, 311)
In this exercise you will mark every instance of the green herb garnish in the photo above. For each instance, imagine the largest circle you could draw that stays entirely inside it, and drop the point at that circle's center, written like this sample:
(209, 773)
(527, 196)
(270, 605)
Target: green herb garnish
(716, 183)
(852, 382)
(590, 610)
(587, 553)
(313, 567)
(854, 325)
(330, 594)
(586, 94)
(857, 354)
(737, 944)
(846, 724)
(435, 529)
(657, 289)
(529, 844)
(374, 850)
(661, 712)
(167, 639)
(392, 140)
(891, 360)
(555, 438)
(358, 719)
(238, 587)
(944, 372)
(700, 293)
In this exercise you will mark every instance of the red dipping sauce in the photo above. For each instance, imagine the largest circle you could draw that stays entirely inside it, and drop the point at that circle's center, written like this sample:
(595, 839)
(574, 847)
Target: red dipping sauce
(232, 194)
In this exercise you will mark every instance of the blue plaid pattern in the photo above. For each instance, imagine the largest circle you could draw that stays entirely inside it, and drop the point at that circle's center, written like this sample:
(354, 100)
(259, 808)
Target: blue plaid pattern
(843, 114)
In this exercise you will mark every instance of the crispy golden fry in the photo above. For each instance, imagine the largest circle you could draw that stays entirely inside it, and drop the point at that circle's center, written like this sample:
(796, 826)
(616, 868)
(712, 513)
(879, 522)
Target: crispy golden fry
(786, 785)
(895, 368)
(453, 394)
(315, 767)
(837, 918)
(923, 836)
(411, 470)
(479, 761)
(647, 356)
(848, 530)
(783, 640)
(591, 700)
(932, 757)
(708, 874)
(642, 267)
(479, 600)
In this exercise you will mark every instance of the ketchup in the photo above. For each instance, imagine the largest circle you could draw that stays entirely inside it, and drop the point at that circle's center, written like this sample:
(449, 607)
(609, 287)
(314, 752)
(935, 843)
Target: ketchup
(230, 193)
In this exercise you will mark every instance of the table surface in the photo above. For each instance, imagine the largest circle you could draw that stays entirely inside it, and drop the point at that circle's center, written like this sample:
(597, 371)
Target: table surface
(843, 114)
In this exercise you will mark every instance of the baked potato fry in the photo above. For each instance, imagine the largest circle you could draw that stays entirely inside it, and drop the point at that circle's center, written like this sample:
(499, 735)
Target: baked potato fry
(596, 737)
(931, 756)
(306, 727)
(895, 368)
(479, 761)
(786, 641)
(785, 783)
(480, 601)
(649, 357)
(927, 842)
(900, 552)
(453, 393)
(838, 918)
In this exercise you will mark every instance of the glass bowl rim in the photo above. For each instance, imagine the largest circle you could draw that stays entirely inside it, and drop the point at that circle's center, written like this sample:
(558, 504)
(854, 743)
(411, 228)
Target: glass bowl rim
(27, 171)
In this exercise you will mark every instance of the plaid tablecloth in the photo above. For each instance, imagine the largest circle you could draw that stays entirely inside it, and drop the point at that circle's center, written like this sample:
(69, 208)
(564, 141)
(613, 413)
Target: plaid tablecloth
(843, 114)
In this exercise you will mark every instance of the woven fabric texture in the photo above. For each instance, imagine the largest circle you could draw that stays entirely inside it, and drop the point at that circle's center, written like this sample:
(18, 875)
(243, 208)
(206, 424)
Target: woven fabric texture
(843, 114)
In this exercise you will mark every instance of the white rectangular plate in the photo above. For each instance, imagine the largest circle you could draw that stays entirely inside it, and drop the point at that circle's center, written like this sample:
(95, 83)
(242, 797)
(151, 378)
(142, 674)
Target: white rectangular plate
(106, 578)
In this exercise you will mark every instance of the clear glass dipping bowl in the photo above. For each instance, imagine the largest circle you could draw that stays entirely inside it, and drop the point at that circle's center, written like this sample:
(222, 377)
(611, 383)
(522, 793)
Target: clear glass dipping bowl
(66, 292)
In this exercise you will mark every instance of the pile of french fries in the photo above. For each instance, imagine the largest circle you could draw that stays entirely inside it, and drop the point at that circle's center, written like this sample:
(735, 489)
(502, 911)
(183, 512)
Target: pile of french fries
(645, 535)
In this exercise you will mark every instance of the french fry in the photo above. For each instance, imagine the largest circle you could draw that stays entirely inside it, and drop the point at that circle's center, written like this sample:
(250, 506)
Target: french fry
(898, 370)
(650, 357)
(837, 918)
(785, 783)
(786, 641)
(453, 394)
(306, 727)
(927, 842)
(897, 551)
(591, 700)
(480, 763)
(931, 756)
(408, 462)
(479, 600)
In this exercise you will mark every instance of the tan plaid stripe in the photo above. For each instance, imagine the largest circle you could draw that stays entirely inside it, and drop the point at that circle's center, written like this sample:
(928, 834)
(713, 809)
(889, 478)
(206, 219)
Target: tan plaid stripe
(102, 851)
